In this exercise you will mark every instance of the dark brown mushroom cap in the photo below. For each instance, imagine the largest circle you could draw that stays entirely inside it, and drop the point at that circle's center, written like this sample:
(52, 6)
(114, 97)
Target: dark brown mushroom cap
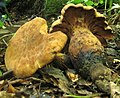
(77, 17)
(84, 26)
(32, 47)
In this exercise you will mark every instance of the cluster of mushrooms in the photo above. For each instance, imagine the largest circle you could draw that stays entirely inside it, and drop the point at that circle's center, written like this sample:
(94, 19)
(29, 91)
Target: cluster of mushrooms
(81, 29)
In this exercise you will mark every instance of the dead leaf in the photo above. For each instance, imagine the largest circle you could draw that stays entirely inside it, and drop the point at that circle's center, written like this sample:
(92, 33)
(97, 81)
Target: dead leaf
(11, 89)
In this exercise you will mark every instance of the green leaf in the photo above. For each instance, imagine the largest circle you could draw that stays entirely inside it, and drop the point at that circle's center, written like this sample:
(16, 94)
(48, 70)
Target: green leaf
(101, 1)
(85, 0)
(0, 73)
(1, 24)
(89, 3)
(5, 16)
(74, 1)
(96, 4)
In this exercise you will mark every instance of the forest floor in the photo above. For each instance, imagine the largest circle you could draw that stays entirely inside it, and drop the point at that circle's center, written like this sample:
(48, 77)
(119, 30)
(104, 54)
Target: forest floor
(44, 84)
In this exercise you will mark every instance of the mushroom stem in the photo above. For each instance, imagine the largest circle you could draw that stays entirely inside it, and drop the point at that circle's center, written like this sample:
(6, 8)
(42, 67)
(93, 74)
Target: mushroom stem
(63, 61)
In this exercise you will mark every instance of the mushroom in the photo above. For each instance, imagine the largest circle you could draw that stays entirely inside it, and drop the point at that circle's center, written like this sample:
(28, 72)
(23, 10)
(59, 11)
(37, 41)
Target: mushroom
(87, 33)
(79, 17)
(32, 47)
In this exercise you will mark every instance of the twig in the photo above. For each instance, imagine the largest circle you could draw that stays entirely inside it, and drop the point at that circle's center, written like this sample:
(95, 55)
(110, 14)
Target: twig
(6, 75)
(5, 42)
(105, 6)
(6, 35)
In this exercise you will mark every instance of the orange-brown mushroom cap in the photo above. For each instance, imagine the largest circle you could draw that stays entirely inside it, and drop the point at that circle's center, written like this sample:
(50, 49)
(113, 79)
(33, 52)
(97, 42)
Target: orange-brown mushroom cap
(32, 47)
